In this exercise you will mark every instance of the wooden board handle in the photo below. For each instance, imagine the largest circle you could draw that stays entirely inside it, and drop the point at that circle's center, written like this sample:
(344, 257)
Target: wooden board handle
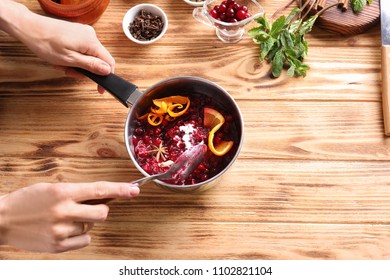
(386, 88)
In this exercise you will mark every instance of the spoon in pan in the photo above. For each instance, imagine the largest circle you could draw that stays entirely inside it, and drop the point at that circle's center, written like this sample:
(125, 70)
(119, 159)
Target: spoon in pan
(184, 165)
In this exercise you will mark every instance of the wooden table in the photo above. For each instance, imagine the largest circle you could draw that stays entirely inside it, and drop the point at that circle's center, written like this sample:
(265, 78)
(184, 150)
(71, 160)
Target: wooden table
(312, 180)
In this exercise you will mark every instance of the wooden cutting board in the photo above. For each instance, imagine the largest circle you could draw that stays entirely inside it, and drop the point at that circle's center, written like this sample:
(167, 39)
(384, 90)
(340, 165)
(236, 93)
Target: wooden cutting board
(348, 22)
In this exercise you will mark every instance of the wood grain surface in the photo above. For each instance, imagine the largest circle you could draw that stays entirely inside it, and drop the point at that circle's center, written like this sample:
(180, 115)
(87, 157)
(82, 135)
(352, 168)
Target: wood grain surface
(346, 22)
(312, 180)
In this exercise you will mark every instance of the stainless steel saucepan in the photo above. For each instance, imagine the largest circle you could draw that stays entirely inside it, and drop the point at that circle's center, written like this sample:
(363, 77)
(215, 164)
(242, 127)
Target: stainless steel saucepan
(130, 96)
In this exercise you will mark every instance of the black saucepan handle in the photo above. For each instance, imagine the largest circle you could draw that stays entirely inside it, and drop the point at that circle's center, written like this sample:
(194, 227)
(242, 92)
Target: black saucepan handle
(117, 86)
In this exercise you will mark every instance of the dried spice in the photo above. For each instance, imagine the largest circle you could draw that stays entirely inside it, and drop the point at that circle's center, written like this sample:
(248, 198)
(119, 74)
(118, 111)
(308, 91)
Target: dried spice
(146, 26)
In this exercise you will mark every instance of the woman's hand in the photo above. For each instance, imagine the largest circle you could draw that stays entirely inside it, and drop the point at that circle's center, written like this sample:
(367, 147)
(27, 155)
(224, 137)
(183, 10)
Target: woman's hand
(52, 217)
(59, 42)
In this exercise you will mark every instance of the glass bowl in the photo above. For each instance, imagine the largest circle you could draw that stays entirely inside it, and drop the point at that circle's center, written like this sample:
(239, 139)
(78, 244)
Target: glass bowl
(228, 32)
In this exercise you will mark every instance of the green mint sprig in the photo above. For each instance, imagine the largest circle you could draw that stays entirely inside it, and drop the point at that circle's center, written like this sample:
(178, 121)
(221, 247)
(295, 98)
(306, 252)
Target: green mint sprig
(358, 5)
(283, 42)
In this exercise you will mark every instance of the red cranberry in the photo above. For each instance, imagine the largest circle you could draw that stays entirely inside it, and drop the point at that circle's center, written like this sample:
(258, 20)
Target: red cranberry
(241, 14)
(223, 17)
(230, 2)
(157, 142)
(230, 13)
(204, 177)
(222, 8)
(146, 139)
(214, 14)
(244, 8)
(138, 131)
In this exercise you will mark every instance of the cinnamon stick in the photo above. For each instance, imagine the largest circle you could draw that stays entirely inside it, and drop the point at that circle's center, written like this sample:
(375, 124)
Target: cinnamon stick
(343, 5)
(321, 4)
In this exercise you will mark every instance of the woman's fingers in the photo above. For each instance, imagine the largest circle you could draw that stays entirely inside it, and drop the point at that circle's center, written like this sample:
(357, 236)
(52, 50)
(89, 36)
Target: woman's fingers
(79, 228)
(100, 190)
(65, 230)
(73, 243)
(88, 213)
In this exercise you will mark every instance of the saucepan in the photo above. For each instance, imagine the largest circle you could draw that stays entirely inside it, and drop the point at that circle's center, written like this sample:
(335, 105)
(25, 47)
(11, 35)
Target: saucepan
(195, 88)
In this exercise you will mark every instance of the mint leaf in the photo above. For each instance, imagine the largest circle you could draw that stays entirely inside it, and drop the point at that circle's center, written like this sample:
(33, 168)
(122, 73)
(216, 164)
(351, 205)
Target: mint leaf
(263, 21)
(307, 25)
(278, 26)
(258, 34)
(294, 26)
(286, 39)
(292, 15)
(291, 70)
(266, 47)
(358, 5)
(276, 46)
(277, 63)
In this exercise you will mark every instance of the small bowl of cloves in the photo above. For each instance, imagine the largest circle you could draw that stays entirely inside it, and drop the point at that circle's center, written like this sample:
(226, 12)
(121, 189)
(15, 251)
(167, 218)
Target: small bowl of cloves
(145, 23)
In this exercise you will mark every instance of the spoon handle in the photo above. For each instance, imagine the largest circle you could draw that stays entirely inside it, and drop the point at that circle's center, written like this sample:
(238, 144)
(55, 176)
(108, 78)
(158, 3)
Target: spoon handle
(145, 180)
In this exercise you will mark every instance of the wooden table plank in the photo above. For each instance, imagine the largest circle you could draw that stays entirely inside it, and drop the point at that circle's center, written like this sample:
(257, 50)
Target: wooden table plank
(181, 240)
(252, 191)
(342, 78)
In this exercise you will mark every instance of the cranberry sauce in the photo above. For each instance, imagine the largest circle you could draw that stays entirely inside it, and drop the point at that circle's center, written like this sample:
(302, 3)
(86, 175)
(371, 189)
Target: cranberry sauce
(156, 147)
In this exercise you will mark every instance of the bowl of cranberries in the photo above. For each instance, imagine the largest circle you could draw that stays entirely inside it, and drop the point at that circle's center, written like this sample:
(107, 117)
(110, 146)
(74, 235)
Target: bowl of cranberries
(228, 17)
(177, 114)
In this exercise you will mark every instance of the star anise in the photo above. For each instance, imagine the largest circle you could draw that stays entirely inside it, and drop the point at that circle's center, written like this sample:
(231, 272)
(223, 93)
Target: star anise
(160, 151)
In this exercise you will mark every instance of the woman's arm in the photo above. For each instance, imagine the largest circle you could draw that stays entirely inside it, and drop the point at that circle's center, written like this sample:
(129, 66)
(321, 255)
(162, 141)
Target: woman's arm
(58, 42)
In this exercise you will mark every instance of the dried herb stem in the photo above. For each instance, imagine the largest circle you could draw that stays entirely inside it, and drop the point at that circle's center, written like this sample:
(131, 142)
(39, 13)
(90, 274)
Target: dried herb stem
(325, 9)
(320, 5)
(308, 10)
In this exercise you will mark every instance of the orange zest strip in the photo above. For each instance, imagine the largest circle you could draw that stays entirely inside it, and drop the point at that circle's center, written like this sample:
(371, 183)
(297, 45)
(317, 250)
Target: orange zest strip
(161, 109)
(215, 120)
(178, 106)
(171, 100)
(168, 108)
(154, 119)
